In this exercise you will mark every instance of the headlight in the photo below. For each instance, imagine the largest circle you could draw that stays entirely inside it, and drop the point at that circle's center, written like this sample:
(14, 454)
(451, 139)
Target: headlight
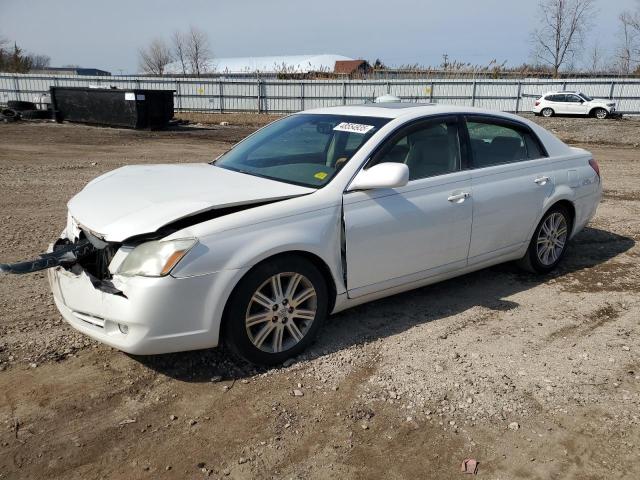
(156, 258)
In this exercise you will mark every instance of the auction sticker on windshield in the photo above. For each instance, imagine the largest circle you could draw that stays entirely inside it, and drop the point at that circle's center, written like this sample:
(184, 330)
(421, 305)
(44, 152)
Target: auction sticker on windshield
(353, 127)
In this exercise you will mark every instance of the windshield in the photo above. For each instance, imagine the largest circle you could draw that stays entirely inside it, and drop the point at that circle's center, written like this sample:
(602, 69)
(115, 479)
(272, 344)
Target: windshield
(303, 149)
(586, 97)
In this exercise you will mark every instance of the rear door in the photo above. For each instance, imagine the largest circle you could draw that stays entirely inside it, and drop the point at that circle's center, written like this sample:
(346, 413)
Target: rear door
(397, 236)
(511, 178)
(560, 104)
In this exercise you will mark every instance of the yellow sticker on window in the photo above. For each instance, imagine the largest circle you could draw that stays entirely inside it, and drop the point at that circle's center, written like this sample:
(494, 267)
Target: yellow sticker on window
(321, 175)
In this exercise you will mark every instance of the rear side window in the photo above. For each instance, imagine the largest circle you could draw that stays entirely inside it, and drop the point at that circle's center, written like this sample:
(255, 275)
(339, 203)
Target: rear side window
(496, 144)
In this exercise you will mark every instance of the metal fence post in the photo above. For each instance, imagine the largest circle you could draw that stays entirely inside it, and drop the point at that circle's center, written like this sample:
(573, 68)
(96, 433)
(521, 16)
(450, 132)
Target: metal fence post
(613, 84)
(473, 95)
(388, 87)
(431, 92)
(344, 92)
(17, 87)
(519, 95)
(301, 95)
(258, 86)
(220, 97)
(178, 96)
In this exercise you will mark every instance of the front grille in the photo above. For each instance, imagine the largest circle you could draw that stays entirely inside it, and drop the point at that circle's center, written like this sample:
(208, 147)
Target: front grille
(97, 263)
(96, 258)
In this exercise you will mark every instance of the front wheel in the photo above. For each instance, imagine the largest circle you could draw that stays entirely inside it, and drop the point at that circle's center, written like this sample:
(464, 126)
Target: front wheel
(549, 242)
(600, 113)
(276, 310)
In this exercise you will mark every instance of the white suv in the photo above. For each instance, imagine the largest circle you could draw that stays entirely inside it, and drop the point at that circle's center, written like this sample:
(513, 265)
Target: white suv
(573, 103)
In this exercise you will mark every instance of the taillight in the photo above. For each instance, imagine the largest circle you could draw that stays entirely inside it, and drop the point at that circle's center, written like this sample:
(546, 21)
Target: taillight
(595, 166)
(537, 102)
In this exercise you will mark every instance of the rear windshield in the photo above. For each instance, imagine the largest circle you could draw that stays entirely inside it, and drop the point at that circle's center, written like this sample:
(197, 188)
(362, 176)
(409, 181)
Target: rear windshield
(303, 149)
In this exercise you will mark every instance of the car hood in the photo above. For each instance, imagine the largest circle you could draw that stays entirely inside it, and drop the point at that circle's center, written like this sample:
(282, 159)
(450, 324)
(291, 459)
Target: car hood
(140, 199)
(601, 101)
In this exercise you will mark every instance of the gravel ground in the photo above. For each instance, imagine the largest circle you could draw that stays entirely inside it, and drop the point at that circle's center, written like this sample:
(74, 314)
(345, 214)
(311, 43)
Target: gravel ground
(536, 377)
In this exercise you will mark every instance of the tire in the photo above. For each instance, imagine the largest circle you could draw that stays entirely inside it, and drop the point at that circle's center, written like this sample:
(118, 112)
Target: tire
(273, 337)
(600, 113)
(10, 113)
(547, 112)
(19, 106)
(541, 257)
(35, 114)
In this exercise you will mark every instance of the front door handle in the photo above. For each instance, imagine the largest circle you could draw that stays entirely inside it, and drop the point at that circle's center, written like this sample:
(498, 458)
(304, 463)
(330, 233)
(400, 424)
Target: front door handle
(459, 197)
(541, 180)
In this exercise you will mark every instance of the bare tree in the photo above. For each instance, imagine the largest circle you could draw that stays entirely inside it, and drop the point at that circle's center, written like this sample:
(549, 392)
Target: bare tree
(628, 48)
(198, 50)
(155, 58)
(38, 62)
(561, 35)
(179, 44)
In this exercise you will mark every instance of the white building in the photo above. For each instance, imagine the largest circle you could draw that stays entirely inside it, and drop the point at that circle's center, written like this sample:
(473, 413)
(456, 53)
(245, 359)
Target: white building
(275, 64)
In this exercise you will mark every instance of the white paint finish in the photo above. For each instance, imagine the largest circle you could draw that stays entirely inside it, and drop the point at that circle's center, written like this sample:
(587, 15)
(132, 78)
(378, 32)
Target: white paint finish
(140, 199)
(581, 106)
(395, 233)
(383, 175)
(396, 239)
(506, 202)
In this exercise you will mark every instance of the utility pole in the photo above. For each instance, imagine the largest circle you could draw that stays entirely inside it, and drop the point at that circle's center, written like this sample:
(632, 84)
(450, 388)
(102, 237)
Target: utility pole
(445, 61)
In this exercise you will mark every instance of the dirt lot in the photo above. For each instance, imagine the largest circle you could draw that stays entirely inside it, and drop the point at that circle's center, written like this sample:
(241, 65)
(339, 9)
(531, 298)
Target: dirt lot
(537, 378)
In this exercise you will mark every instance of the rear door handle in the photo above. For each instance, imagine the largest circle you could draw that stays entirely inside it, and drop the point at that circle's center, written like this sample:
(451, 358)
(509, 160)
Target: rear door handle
(541, 180)
(459, 197)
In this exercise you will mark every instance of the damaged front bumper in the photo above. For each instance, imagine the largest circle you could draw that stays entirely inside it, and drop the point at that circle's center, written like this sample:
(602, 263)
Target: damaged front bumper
(138, 315)
(151, 316)
(63, 255)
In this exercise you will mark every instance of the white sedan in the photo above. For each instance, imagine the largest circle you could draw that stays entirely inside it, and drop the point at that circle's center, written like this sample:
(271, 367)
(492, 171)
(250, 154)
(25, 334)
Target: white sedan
(312, 214)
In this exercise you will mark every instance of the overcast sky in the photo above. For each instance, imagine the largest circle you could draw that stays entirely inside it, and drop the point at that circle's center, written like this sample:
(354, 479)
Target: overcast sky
(107, 34)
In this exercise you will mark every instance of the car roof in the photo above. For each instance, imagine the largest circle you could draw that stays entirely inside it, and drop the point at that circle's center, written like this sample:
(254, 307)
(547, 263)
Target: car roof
(562, 91)
(401, 109)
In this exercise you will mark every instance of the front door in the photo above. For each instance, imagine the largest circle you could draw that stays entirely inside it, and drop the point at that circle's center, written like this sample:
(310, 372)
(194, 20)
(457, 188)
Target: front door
(576, 105)
(398, 236)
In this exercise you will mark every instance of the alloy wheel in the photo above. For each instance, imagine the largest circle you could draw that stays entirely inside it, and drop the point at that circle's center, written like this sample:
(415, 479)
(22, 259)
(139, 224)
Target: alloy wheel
(281, 312)
(601, 113)
(552, 238)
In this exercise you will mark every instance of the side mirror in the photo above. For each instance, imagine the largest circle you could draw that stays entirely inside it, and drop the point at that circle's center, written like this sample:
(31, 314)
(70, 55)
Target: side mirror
(383, 175)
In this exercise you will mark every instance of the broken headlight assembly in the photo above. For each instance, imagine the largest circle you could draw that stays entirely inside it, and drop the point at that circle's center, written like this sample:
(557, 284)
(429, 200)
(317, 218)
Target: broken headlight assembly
(155, 258)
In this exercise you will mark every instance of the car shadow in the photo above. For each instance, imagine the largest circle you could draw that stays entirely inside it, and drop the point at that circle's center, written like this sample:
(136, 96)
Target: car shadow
(489, 288)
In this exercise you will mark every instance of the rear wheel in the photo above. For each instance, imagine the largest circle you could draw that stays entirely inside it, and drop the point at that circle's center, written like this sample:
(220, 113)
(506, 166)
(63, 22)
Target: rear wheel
(276, 310)
(600, 113)
(549, 242)
(547, 112)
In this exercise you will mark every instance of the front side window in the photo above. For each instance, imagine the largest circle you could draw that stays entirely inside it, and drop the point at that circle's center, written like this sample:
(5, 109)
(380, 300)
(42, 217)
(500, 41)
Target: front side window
(428, 149)
(574, 99)
(586, 97)
(303, 149)
(495, 144)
